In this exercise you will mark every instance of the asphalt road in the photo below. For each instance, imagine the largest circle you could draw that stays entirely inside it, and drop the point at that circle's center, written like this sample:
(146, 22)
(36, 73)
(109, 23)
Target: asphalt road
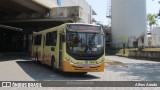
(20, 67)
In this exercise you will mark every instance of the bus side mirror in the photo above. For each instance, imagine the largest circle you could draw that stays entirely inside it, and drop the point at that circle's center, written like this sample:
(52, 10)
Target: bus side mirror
(63, 38)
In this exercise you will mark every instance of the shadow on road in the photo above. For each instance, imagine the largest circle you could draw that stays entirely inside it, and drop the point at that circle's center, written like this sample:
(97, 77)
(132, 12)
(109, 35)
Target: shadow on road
(41, 72)
(14, 56)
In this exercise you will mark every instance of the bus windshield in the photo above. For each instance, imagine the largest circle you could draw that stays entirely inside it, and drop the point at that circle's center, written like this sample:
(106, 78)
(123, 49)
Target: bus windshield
(84, 43)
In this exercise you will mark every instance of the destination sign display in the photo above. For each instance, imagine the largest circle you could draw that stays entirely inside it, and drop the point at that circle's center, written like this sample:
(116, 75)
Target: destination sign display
(84, 27)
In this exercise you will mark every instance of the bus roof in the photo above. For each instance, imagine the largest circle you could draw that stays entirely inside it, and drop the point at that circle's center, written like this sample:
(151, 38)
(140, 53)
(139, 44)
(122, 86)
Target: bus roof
(62, 26)
(82, 24)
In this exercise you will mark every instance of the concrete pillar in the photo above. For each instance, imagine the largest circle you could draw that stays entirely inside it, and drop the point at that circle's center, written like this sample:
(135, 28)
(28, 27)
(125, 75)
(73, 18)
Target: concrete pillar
(24, 42)
(30, 42)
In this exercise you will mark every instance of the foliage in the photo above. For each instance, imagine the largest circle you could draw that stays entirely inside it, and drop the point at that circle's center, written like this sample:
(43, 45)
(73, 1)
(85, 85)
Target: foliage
(123, 39)
(121, 52)
(151, 19)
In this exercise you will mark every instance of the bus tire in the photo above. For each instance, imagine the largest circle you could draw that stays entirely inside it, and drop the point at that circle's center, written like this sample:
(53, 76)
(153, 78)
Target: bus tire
(52, 64)
(36, 58)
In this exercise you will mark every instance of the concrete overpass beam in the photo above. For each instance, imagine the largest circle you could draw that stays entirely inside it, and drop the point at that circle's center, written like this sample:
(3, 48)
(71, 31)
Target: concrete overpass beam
(9, 5)
(31, 5)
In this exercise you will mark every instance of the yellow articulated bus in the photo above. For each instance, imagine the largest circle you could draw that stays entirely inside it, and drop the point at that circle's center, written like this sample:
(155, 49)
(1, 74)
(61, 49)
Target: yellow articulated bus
(71, 47)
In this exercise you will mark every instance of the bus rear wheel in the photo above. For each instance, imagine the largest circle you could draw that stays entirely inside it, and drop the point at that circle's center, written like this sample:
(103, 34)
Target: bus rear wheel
(52, 65)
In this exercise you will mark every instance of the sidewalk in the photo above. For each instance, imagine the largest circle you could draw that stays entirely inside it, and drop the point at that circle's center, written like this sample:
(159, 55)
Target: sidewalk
(128, 60)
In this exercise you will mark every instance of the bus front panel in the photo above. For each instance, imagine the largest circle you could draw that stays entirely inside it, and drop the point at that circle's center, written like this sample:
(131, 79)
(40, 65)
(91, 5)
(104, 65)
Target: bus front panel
(84, 48)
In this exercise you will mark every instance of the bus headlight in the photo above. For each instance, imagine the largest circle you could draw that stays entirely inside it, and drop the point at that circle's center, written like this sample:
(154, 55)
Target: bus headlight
(71, 63)
(100, 62)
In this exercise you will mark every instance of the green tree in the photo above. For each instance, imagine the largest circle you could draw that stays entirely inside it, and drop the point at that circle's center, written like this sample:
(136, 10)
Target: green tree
(151, 19)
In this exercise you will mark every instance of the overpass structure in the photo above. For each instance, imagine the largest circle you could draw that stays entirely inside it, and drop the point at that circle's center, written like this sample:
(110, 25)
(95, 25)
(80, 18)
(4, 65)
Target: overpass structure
(24, 13)
(19, 18)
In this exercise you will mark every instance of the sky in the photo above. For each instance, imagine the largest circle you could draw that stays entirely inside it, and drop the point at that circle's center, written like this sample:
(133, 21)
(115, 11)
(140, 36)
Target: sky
(100, 7)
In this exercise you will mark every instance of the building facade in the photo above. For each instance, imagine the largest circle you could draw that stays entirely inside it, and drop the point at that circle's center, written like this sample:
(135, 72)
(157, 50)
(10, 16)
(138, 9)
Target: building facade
(86, 8)
(155, 37)
(128, 19)
(36, 15)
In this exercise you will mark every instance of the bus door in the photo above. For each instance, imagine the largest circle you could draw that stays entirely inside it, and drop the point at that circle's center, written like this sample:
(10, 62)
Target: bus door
(48, 48)
(60, 49)
(43, 46)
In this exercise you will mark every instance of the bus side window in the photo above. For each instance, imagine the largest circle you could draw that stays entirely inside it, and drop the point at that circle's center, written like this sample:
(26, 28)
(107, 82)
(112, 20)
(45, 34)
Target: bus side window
(48, 39)
(37, 39)
(53, 38)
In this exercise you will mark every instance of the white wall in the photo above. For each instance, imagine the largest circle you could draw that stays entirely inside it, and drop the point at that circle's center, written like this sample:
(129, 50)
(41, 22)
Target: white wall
(47, 3)
(155, 35)
(86, 8)
(128, 19)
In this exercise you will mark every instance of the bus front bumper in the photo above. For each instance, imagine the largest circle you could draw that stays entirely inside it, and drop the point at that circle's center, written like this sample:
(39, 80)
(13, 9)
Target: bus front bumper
(67, 67)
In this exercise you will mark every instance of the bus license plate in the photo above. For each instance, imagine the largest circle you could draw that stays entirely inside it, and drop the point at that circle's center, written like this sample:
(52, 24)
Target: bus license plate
(85, 67)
